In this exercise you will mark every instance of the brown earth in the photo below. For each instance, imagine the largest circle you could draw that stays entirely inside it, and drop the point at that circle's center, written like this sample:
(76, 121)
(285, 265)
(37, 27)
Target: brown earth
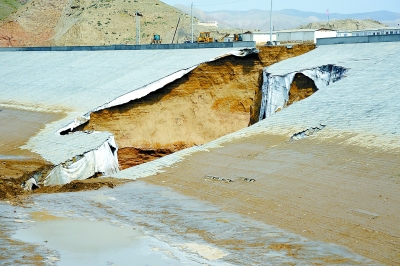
(17, 165)
(322, 189)
(301, 88)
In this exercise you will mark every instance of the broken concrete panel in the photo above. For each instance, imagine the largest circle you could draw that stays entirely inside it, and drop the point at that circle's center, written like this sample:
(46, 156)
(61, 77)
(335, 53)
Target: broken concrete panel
(365, 105)
(102, 160)
(308, 132)
(276, 87)
(78, 82)
(148, 88)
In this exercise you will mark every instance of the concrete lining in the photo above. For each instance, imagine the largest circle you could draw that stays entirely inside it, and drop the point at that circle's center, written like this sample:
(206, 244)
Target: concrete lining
(135, 47)
(359, 39)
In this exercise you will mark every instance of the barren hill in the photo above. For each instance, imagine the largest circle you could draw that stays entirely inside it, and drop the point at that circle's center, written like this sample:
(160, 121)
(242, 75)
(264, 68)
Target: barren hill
(345, 24)
(283, 19)
(89, 22)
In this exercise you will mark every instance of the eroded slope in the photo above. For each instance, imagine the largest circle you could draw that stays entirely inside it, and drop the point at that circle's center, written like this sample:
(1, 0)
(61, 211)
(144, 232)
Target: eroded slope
(213, 100)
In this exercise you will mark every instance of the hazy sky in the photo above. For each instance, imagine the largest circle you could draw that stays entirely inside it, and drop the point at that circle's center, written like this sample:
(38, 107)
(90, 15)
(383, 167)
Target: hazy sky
(320, 6)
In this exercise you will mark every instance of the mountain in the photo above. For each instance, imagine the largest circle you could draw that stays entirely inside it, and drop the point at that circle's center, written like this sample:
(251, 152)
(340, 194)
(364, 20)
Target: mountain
(103, 22)
(283, 19)
(345, 24)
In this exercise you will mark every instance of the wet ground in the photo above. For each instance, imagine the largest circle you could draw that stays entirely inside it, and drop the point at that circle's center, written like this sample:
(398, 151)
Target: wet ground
(17, 165)
(142, 224)
(16, 127)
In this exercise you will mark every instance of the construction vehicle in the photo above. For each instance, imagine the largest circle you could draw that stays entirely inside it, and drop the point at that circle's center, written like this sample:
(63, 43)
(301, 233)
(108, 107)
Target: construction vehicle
(205, 37)
(156, 39)
(237, 37)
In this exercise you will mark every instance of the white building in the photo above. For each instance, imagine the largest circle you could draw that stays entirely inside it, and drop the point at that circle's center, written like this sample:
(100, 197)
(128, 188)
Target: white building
(303, 35)
(369, 32)
(229, 38)
(208, 24)
(258, 36)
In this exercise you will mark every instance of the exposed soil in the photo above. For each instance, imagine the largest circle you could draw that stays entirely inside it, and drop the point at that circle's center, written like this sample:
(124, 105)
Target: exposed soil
(11, 190)
(17, 165)
(14, 173)
(129, 157)
(215, 99)
(301, 88)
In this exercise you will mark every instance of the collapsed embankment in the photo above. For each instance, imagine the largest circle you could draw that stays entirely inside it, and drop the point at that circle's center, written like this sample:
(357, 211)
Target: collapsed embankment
(215, 99)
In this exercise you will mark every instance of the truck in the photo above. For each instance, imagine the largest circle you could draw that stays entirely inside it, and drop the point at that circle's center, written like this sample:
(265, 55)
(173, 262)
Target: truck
(205, 37)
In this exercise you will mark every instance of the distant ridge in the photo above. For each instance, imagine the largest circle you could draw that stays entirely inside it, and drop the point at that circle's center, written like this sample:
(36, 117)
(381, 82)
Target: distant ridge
(345, 24)
(284, 19)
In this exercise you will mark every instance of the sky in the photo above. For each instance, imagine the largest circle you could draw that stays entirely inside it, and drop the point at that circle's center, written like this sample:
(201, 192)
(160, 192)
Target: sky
(320, 6)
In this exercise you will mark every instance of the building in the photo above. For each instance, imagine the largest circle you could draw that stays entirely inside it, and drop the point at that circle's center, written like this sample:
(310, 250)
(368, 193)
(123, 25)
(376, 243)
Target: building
(304, 35)
(383, 31)
(208, 24)
(258, 36)
(369, 32)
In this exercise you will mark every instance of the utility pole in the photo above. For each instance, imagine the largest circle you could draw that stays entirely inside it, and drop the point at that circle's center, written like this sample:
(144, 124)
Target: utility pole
(191, 15)
(137, 14)
(270, 24)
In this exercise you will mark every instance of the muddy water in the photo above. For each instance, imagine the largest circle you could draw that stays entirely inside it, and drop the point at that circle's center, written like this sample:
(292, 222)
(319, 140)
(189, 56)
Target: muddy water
(142, 224)
(17, 126)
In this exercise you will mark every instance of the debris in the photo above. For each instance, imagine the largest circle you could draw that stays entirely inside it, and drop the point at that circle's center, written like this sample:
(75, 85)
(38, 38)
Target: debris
(308, 132)
(30, 184)
(276, 88)
(218, 178)
(247, 179)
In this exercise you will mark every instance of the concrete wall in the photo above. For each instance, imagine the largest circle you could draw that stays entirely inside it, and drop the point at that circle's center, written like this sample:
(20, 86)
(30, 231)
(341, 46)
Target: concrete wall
(296, 36)
(258, 37)
(324, 34)
(136, 47)
(359, 39)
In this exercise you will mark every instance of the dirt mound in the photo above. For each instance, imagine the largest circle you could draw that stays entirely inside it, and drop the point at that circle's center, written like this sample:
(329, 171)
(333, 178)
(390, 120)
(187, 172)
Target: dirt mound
(14, 173)
(346, 24)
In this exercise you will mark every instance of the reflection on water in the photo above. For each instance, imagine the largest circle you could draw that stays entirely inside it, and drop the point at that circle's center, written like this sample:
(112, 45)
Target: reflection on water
(13, 157)
(154, 225)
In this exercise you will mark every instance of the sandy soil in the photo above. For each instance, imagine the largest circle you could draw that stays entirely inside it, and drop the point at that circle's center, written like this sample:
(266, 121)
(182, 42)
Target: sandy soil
(321, 189)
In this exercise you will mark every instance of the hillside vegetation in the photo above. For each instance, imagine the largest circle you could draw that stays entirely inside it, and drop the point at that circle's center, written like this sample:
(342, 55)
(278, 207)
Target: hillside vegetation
(7, 7)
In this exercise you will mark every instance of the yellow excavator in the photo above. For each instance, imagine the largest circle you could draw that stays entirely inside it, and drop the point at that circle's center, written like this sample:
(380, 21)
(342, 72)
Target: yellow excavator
(205, 37)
